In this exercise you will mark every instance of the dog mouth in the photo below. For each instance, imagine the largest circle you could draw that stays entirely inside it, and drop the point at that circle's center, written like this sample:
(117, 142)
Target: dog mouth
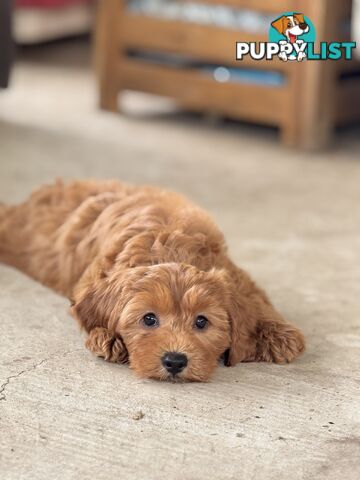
(292, 38)
(169, 377)
(175, 379)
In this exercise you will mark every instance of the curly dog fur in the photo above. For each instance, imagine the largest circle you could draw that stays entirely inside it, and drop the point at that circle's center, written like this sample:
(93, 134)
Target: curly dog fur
(119, 252)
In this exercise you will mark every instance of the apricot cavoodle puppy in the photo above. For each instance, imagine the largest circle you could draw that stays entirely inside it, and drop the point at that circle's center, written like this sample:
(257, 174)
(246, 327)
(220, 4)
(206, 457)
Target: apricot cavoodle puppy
(148, 276)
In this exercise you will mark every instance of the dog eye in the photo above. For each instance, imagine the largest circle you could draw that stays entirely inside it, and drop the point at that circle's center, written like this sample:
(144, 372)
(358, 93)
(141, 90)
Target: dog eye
(201, 322)
(150, 320)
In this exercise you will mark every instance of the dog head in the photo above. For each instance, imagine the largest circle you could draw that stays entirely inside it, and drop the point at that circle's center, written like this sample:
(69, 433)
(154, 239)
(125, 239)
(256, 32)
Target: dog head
(174, 321)
(291, 26)
(173, 318)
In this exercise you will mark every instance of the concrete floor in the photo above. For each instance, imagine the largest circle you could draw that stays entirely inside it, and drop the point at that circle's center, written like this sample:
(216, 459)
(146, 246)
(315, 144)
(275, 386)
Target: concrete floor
(292, 220)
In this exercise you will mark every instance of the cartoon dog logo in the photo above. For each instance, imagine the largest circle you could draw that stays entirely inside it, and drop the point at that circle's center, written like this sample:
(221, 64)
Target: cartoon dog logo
(292, 27)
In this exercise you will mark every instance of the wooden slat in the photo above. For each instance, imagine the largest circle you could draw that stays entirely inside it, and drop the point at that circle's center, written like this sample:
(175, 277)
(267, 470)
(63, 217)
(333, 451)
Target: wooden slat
(206, 43)
(196, 91)
(276, 6)
(348, 101)
(345, 66)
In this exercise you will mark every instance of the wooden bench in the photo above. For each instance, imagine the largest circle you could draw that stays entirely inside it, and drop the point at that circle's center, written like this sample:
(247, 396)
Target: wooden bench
(306, 108)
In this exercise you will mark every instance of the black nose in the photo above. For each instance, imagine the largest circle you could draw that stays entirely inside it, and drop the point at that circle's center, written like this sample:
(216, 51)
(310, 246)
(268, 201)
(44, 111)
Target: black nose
(174, 362)
(303, 26)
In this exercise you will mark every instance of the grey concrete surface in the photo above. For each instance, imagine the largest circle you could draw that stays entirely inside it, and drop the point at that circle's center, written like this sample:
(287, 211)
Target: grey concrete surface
(291, 219)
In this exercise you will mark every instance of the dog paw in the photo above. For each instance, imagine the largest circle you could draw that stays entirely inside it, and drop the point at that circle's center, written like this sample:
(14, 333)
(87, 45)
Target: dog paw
(104, 344)
(279, 343)
(283, 56)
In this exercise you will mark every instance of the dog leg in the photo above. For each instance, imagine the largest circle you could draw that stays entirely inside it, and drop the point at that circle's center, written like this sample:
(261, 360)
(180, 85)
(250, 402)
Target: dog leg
(276, 340)
(259, 332)
(104, 344)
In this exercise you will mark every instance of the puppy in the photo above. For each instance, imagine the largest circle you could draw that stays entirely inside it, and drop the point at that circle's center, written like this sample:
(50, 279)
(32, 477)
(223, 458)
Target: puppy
(148, 276)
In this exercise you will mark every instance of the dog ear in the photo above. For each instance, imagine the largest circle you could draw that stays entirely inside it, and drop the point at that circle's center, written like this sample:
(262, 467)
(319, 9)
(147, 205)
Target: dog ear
(88, 309)
(242, 338)
(279, 24)
(102, 294)
(258, 332)
(96, 298)
(299, 17)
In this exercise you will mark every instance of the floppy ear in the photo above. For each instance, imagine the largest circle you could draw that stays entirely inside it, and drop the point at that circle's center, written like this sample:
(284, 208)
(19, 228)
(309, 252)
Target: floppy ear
(242, 338)
(299, 17)
(98, 297)
(97, 304)
(91, 304)
(279, 24)
(258, 332)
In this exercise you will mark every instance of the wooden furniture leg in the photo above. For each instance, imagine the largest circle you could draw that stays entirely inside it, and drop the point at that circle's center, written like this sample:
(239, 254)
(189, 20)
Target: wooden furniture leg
(107, 52)
(6, 43)
(289, 128)
(317, 91)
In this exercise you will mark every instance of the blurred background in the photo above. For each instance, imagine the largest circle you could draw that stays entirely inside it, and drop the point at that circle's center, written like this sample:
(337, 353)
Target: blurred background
(148, 91)
(184, 51)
